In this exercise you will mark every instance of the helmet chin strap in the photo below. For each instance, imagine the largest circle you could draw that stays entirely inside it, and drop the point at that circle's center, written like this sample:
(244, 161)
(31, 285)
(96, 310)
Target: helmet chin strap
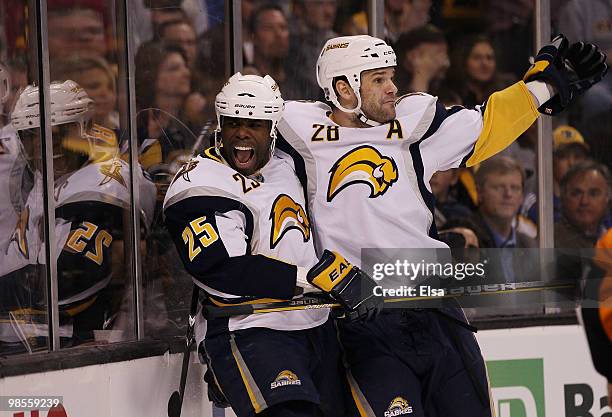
(369, 122)
(357, 110)
(217, 142)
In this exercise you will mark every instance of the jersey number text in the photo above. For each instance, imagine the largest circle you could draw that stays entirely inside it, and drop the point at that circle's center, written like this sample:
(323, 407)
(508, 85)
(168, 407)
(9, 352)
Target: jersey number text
(80, 237)
(192, 232)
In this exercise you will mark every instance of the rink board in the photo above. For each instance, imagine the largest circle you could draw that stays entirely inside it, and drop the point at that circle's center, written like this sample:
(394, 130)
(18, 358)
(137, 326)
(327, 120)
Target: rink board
(534, 372)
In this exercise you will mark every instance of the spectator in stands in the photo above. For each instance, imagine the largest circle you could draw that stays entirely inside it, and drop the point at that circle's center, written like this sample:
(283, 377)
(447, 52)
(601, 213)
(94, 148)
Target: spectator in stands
(211, 46)
(98, 79)
(163, 86)
(270, 33)
(585, 199)
(446, 205)
(591, 21)
(401, 16)
(510, 28)
(423, 60)
(180, 33)
(569, 148)
(500, 182)
(77, 30)
(473, 73)
(18, 74)
(311, 26)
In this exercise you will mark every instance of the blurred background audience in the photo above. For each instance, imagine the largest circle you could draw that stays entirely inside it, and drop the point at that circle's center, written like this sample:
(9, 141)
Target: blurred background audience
(459, 51)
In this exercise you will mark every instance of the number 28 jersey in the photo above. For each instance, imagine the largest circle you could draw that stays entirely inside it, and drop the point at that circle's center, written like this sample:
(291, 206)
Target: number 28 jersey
(369, 187)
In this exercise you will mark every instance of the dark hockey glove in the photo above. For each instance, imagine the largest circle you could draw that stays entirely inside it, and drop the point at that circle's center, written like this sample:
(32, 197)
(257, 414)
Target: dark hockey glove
(215, 395)
(347, 284)
(587, 66)
(571, 70)
(549, 66)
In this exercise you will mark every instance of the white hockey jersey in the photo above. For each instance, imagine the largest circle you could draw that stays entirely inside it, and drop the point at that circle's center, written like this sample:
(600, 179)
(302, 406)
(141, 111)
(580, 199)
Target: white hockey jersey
(83, 225)
(369, 187)
(242, 238)
(13, 168)
(89, 204)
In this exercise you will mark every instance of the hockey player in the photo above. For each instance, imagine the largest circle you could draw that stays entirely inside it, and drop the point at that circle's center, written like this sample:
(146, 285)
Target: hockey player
(12, 165)
(597, 319)
(91, 193)
(237, 217)
(366, 163)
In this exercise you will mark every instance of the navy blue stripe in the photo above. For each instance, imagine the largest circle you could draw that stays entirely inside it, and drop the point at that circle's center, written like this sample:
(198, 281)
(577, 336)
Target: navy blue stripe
(298, 161)
(300, 169)
(417, 161)
(471, 152)
(195, 205)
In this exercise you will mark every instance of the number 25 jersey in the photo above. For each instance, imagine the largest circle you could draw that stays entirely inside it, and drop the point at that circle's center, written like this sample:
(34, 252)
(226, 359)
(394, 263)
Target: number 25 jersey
(241, 238)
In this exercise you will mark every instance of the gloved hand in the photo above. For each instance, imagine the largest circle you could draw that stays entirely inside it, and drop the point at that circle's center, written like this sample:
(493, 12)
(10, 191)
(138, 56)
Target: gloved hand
(347, 284)
(215, 395)
(571, 70)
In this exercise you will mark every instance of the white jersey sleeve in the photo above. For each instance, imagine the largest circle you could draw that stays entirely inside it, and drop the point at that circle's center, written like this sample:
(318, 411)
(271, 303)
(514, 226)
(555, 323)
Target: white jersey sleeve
(459, 136)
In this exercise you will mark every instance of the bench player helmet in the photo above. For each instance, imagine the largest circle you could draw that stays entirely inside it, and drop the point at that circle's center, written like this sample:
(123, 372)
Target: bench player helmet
(69, 103)
(349, 56)
(249, 97)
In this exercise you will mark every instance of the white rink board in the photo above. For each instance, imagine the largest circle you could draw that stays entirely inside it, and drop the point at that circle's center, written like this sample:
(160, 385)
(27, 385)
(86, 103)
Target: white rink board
(548, 359)
(530, 369)
(122, 389)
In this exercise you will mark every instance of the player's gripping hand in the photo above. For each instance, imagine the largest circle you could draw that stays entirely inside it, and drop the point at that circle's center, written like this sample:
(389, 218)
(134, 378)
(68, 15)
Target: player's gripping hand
(347, 284)
(587, 66)
(571, 70)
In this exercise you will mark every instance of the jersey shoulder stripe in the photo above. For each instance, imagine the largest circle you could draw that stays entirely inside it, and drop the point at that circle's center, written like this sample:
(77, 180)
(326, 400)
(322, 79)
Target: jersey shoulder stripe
(102, 181)
(206, 175)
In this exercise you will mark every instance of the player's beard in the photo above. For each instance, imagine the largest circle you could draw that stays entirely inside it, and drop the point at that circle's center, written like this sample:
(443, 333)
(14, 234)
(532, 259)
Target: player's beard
(378, 112)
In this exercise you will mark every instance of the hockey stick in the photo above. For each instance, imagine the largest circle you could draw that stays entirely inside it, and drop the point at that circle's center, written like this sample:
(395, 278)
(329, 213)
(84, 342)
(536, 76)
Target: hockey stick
(175, 402)
(318, 301)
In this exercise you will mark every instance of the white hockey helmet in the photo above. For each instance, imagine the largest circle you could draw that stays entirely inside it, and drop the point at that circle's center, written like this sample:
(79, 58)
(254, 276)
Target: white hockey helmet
(349, 56)
(5, 86)
(68, 101)
(249, 97)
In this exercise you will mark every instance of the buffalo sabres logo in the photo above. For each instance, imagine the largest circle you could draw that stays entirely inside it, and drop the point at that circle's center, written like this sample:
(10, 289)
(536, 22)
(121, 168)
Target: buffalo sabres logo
(20, 233)
(362, 165)
(285, 378)
(185, 169)
(398, 407)
(286, 214)
(111, 172)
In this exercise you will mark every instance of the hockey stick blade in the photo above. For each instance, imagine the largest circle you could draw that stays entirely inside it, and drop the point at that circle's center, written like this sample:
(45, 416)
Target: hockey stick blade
(175, 404)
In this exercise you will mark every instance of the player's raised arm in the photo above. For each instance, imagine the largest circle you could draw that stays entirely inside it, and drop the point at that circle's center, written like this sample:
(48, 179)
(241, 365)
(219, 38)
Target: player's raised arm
(559, 74)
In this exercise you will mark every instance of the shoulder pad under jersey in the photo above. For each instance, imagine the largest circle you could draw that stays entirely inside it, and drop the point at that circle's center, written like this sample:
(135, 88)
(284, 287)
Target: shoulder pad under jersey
(296, 110)
(106, 182)
(413, 103)
(204, 175)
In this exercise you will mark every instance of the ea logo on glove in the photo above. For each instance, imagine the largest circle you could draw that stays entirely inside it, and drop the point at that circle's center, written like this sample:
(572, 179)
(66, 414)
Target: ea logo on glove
(338, 272)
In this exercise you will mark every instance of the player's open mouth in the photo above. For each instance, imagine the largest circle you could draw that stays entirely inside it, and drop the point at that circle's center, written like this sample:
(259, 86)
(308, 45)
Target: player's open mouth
(243, 155)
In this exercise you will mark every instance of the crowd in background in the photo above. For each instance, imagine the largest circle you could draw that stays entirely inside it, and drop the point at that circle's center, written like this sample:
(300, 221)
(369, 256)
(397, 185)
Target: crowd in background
(460, 51)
